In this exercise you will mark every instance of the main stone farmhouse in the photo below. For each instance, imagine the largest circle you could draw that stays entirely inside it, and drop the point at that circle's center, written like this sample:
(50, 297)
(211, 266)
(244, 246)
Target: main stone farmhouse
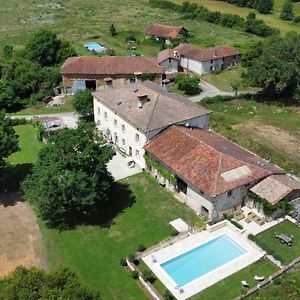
(79, 73)
(133, 114)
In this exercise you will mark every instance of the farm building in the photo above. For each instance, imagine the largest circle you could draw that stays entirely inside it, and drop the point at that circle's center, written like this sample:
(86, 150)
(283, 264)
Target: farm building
(79, 73)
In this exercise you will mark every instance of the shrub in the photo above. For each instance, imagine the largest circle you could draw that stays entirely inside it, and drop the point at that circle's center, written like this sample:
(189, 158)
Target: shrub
(236, 224)
(216, 99)
(131, 257)
(149, 276)
(189, 84)
(251, 237)
(141, 248)
(135, 274)
(123, 262)
(278, 281)
(168, 295)
(297, 19)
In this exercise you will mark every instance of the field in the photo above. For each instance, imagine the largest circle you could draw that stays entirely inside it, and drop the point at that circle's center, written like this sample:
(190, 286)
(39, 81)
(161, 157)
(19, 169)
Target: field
(95, 252)
(267, 241)
(269, 130)
(80, 22)
(272, 20)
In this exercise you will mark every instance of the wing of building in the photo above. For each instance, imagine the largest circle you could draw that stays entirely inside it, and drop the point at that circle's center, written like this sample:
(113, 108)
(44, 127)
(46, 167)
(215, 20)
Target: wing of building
(83, 72)
(133, 114)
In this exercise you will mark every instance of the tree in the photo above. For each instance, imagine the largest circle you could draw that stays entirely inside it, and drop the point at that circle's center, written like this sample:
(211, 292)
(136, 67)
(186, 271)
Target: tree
(8, 99)
(287, 12)
(8, 138)
(35, 284)
(276, 67)
(113, 30)
(83, 103)
(70, 183)
(264, 6)
(236, 85)
(189, 84)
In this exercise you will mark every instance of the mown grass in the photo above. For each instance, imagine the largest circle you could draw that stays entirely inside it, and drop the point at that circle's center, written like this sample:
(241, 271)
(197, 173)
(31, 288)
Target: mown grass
(80, 22)
(231, 287)
(226, 78)
(272, 20)
(226, 115)
(94, 252)
(268, 242)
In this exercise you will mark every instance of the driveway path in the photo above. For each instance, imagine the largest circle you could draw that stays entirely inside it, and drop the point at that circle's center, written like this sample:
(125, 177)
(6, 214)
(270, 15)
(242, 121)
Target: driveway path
(69, 118)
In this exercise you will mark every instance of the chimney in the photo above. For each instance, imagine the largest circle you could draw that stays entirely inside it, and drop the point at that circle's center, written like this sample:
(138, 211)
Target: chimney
(142, 99)
(138, 76)
(166, 84)
(108, 82)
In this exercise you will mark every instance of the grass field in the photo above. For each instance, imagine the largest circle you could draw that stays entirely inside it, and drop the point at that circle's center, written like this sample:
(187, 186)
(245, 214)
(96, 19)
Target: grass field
(286, 287)
(80, 22)
(95, 252)
(267, 241)
(231, 287)
(29, 145)
(269, 130)
(272, 20)
(40, 109)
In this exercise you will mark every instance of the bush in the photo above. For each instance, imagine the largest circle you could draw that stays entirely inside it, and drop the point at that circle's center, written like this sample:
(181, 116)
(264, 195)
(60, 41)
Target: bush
(297, 19)
(216, 99)
(149, 276)
(123, 262)
(168, 295)
(189, 84)
(131, 257)
(135, 274)
(236, 224)
(251, 237)
(141, 248)
(278, 281)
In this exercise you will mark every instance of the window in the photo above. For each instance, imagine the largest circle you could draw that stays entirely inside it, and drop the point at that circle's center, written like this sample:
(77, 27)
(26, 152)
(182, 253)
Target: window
(98, 110)
(211, 61)
(211, 68)
(137, 138)
(229, 194)
(137, 153)
(115, 122)
(123, 143)
(169, 60)
(105, 115)
(123, 128)
(116, 138)
(132, 80)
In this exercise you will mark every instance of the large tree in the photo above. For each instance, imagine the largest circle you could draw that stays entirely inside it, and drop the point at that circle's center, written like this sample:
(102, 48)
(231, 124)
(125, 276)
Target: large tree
(8, 138)
(276, 67)
(70, 182)
(83, 103)
(35, 284)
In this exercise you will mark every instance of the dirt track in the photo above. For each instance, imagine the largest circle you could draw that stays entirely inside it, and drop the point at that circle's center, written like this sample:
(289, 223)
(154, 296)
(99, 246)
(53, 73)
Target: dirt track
(20, 237)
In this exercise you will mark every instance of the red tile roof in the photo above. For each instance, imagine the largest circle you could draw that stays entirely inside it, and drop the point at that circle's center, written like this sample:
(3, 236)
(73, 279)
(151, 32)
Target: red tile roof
(110, 65)
(206, 54)
(167, 53)
(276, 187)
(164, 31)
(202, 158)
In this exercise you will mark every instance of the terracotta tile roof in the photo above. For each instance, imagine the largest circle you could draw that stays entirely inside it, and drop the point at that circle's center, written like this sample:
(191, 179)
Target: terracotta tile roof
(206, 54)
(164, 31)
(161, 110)
(167, 53)
(276, 187)
(110, 65)
(207, 160)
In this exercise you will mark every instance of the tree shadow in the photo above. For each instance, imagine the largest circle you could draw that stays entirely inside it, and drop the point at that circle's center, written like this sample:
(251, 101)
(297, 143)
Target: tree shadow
(10, 199)
(121, 197)
(11, 177)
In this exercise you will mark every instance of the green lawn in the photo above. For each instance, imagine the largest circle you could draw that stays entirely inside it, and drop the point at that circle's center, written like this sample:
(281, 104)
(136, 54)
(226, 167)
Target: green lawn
(231, 287)
(286, 287)
(80, 22)
(267, 241)
(242, 120)
(272, 20)
(94, 252)
(224, 80)
(28, 143)
(40, 109)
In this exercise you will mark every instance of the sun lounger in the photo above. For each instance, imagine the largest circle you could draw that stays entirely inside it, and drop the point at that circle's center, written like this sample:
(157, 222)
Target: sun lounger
(247, 220)
(259, 278)
(251, 215)
(261, 222)
(239, 217)
(244, 283)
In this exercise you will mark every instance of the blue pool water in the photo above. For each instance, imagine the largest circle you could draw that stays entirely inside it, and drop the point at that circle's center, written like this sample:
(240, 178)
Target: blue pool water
(93, 46)
(203, 259)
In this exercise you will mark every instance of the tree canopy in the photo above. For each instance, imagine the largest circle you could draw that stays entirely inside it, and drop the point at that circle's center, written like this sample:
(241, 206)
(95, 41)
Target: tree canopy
(189, 84)
(264, 6)
(275, 66)
(287, 12)
(70, 182)
(83, 103)
(35, 284)
(8, 138)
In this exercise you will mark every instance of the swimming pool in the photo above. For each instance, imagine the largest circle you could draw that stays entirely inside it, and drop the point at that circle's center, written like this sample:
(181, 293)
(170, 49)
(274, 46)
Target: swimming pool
(93, 46)
(202, 259)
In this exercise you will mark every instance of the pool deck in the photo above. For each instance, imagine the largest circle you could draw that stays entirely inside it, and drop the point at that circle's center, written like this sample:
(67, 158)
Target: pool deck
(155, 259)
